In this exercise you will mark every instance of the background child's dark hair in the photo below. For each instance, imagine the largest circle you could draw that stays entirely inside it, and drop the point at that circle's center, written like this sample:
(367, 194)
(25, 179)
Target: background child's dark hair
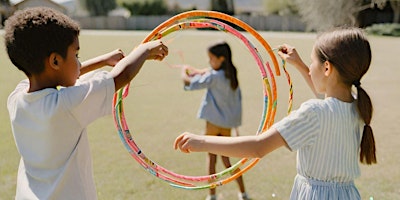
(349, 51)
(222, 49)
(33, 34)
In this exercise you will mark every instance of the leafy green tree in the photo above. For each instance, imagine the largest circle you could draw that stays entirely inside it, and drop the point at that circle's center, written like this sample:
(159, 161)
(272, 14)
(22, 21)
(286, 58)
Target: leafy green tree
(394, 4)
(156, 7)
(100, 7)
(224, 6)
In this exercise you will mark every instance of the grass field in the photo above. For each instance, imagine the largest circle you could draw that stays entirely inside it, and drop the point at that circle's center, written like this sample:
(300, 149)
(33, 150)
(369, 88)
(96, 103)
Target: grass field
(158, 110)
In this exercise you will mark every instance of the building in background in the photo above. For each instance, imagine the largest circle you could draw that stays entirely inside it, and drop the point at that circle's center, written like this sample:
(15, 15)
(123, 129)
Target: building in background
(19, 5)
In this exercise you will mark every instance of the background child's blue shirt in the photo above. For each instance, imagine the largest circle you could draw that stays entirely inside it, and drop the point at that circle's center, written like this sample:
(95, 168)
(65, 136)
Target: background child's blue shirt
(221, 105)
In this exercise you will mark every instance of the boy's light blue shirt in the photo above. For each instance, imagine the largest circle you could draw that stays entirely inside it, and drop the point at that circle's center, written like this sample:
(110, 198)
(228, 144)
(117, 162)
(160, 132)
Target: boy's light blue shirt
(221, 105)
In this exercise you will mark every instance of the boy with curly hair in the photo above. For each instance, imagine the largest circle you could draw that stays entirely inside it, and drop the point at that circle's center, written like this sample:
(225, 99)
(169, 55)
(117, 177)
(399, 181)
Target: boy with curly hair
(50, 110)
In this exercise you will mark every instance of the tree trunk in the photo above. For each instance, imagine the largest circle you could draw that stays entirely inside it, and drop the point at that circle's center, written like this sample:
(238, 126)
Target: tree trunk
(396, 11)
(224, 6)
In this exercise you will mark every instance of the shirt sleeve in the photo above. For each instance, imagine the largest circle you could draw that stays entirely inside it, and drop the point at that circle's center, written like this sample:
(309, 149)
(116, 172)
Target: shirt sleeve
(300, 127)
(200, 82)
(12, 98)
(91, 98)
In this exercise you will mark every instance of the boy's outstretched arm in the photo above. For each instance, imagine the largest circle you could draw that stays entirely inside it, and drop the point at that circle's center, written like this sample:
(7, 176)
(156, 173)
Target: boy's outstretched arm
(127, 68)
(108, 59)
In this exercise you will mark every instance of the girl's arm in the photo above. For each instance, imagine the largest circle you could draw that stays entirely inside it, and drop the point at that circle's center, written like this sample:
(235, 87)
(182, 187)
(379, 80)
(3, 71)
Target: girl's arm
(256, 146)
(127, 68)
(290, 55)
(201, 71)
(188, 72)
(108, 59)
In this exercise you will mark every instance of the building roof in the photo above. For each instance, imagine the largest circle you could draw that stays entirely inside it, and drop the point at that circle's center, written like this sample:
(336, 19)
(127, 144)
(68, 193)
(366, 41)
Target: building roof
(33, 3)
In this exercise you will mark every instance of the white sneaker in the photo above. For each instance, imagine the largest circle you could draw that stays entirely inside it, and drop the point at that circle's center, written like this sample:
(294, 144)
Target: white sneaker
(211, 197)
(243, 196)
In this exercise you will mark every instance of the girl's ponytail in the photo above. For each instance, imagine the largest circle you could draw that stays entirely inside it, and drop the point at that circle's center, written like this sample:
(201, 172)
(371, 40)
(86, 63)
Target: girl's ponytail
(349, 51)
(231, 74)
(365, 109)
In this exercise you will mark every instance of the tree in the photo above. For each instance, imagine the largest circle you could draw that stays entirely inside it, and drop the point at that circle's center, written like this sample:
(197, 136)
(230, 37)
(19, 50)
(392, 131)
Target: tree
(5, 11)
(323, 14)
(100, 7)
(396, 10)
(224, 6)
(394, 4)
(156, 7)
(282, 7)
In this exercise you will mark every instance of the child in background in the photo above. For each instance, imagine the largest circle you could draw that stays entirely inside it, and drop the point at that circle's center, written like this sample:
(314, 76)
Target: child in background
(222, 104)
(330, 135)
(50, 111)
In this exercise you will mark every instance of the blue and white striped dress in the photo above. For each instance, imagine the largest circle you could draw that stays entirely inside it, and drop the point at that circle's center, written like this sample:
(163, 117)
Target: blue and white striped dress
(326, 135)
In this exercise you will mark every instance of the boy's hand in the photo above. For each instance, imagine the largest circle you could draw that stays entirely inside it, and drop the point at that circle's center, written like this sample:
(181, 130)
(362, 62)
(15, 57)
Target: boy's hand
(157, 50)
(114, 57)
(108, 59)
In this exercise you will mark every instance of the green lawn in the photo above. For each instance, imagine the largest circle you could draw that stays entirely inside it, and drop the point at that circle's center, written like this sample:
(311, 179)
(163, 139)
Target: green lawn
(157, 110)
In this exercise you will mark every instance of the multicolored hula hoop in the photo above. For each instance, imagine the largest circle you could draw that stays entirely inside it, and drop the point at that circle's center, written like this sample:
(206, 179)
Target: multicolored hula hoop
(205, 19)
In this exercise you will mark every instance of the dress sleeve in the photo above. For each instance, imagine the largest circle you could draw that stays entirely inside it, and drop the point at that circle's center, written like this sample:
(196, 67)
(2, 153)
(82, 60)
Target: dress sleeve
(300, 128)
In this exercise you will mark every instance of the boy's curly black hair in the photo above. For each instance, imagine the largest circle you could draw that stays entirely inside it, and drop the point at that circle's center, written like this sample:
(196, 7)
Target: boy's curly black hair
(31, 35)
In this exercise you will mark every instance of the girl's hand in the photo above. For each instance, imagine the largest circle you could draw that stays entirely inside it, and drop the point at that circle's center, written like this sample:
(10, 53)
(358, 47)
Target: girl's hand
(157, 50)
(192, 71)
(187, 142)
(112, 58)
(189, 71)
(289, 54)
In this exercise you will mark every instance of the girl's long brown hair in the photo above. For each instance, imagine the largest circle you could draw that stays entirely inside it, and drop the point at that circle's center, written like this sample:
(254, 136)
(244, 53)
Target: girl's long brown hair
(349, 51)
(222, 49)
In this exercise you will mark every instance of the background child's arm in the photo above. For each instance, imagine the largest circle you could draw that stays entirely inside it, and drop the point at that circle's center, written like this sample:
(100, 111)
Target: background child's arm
(127, 68)
(202, 71)
(290, 55)
(255, 146)
(108, 59)
(188, 72)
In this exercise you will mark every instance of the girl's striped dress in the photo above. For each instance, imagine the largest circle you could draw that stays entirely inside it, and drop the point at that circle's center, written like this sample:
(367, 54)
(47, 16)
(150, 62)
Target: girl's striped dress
(326, 135)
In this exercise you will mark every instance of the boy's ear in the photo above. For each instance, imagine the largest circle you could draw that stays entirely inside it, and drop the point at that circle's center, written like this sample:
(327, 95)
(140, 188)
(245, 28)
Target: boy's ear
(54, 60)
